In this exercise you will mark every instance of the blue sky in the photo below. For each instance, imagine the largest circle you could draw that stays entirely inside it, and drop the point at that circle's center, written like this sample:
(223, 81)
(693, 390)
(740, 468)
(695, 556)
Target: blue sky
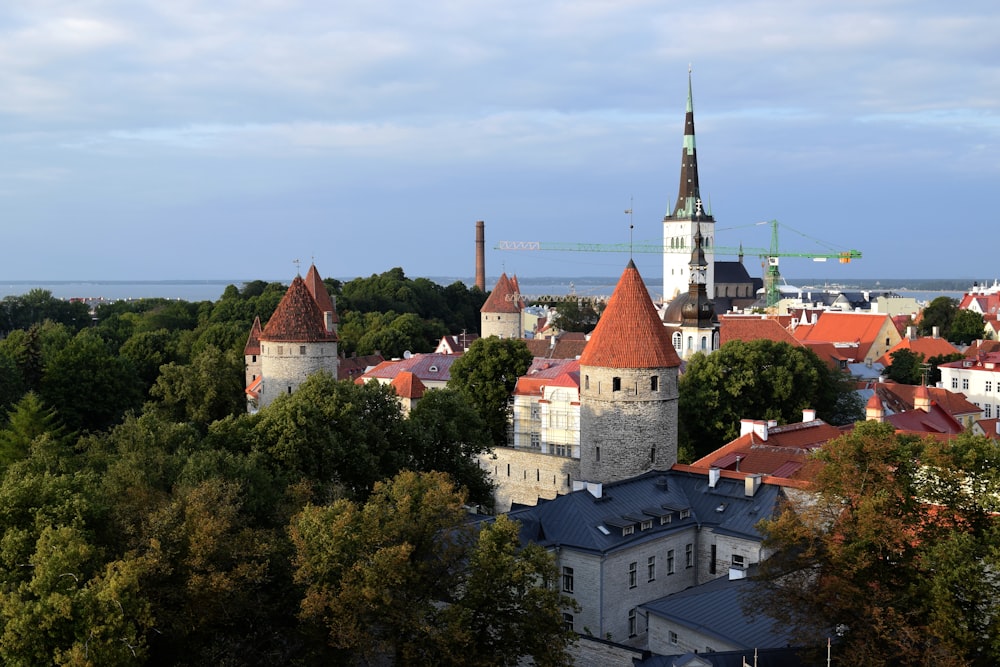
(226, 139)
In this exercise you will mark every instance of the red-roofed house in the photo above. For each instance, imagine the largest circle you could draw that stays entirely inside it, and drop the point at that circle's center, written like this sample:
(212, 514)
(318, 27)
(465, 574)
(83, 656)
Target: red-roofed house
(409, 390)
(858, 337)
(928, 346)
(978, 378)
(894, 398)
(756, 327)
(432, 369)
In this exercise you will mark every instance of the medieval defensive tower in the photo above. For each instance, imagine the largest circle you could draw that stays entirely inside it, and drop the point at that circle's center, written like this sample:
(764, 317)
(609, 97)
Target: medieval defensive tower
(628, 388)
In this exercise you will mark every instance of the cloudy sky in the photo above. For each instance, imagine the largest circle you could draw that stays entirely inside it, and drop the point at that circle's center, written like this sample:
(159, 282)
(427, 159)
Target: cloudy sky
(226, 139)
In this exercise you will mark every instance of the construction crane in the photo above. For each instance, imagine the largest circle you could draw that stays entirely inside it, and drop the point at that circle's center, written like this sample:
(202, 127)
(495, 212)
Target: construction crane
(770, 256)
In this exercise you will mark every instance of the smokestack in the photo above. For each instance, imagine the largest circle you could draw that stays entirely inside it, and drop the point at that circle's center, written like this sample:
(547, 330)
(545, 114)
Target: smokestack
(480, 256)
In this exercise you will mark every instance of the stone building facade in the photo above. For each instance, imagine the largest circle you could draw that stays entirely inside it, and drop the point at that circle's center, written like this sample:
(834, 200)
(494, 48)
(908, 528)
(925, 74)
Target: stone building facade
(501, 313)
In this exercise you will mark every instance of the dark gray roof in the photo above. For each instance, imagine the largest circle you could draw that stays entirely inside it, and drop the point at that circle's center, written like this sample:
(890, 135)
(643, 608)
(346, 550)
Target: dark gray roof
(780, 657)
(719, 609)
(731, 272)
(579, 520)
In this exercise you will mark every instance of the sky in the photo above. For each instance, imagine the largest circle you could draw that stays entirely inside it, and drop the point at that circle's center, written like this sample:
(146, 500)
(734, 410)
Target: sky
(229, 139)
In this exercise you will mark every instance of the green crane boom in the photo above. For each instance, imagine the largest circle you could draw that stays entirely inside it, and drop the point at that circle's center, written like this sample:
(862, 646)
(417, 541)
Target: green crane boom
(771, 256)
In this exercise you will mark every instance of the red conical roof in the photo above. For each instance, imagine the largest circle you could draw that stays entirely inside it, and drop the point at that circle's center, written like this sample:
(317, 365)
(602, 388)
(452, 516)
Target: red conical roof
(318, 290)
(297, 318)
(630, 333)
(253, 340)
(504, 298)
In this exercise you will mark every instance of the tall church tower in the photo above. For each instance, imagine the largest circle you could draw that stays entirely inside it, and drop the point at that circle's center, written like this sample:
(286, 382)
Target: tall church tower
(628, 388)
(299, 339)
(689, 212)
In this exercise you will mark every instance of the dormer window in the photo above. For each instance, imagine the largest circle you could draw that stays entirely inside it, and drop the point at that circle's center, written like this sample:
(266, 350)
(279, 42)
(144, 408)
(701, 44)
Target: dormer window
(666, 518)
(433, 369)
(646, 525)
(628, 530)
(685, 513)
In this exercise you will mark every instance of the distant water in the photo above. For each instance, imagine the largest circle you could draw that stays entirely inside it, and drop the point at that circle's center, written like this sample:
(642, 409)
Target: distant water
(211, 290)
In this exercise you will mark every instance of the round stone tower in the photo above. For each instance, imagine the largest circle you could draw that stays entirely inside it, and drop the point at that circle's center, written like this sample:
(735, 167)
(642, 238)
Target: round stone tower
(501, 314)
(628, 388)
(299, 339)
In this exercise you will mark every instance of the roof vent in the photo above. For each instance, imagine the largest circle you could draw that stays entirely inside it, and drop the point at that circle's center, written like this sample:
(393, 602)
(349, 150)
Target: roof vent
(433, 369)
(661, 483)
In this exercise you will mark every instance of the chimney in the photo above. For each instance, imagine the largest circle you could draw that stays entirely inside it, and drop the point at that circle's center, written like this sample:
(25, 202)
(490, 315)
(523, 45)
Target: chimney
(911, 332)
(737, 573)
(751, 484)
(328, 320)
(808, 415)
(713, 477)
(754, 426)
(936, 332)
(480, 255)
(595, 489)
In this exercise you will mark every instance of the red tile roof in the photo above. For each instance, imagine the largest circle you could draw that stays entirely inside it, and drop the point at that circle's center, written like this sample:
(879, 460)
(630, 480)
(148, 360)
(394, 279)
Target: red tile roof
(297, 319)
(548, 373)
(926, 345)
(408, 385)
(253, 340)
(319, 293)
(429, 367)
(630, 333)
(504, 298)
(563, 348)
(747, 328)
(834, 327)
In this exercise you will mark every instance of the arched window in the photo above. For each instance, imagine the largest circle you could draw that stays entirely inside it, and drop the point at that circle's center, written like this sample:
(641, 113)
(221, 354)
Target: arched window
(704, 343)
(677, 340)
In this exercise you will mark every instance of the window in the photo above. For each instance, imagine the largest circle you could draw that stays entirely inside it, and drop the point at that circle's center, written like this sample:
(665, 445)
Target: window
(597, 453)
(646, 525)
(616, 384)
(654, 383)
(965, 383)
(690, 342)
(628, 530)
(567, 579)
(954, 383)
(689, 555)
(666, 518)
(988, 411)
(586, 382)
(253, 358)
(677, 340)
(632, 574)
(673, 637)
(989, 386)
(711, 561)
(651, 568)
(568, 621)
(302, 349)
(536, 441)
(704, 343)
(281, 350)
(685, 513)
(738, 561)
(670, 561)
(632, 629)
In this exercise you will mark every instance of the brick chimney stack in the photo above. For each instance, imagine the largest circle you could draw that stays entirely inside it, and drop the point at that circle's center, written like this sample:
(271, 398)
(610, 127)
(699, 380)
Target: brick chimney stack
(480, 256)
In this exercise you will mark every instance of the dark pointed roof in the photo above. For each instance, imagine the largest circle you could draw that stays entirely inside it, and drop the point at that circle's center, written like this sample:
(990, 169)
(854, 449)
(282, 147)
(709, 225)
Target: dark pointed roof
(504, 298)
(318, 290)
(253, 340)
(630, 333)
(297, 318)
(688, 205)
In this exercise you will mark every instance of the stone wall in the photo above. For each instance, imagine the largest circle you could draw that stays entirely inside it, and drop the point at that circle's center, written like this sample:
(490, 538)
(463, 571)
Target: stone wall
(287, 365)
(524, 476)
(628, 421)
(502, 325)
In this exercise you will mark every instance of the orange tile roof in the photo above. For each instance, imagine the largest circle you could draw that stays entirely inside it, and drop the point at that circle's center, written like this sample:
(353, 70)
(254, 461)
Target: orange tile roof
(834, 327)
(548, 373)
(901, 397)
(253, 340)
(319, 293)
(925, 345)
(630, 333)
(253, 389)
(504, 298)
(408, 385)
(746, 328)
(297, 319)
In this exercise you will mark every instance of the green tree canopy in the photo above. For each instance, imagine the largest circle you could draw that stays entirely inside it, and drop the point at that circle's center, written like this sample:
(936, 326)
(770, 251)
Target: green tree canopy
(966, 327)
(486, 375)
(577, 315)
(906, 367)
(759, 379)
(896, 551)
(938, 313)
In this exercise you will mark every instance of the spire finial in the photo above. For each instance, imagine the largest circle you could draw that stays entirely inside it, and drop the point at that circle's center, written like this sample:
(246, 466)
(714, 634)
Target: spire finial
(298, 267)
(628, 212)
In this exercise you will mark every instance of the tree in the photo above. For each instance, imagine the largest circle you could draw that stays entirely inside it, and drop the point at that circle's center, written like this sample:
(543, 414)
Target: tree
(966, 327)
(898, 551)
(509, 608)
(207, 389)
(334, 434)
(939, 314)
(759, 379)
(577, 315)
(373, 573)
(28, 420)
(486, 375)
(448, 434)
(936, 361)
(906, 367)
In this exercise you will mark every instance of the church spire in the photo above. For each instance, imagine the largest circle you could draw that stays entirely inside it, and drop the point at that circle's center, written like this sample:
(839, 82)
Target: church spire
(689, 204)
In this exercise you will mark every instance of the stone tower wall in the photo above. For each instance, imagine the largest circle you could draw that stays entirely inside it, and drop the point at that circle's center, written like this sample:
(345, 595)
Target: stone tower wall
(286, 365)
(253, 365)
(502, 325)
(524, 476)
(627, 430)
